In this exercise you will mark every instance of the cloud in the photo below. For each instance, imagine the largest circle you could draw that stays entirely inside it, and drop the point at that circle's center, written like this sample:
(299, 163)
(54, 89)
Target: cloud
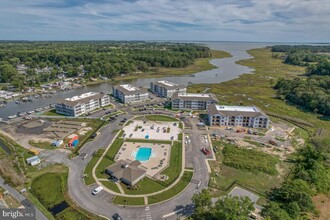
(250, 20)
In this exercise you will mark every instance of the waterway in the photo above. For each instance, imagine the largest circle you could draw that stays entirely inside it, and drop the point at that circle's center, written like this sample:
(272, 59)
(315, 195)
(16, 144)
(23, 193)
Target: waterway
(226, 70)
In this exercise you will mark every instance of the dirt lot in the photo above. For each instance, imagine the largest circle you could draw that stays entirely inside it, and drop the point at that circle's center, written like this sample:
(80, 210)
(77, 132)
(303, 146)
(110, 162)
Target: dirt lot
(322, 203)
(44, 130)
(276, 141)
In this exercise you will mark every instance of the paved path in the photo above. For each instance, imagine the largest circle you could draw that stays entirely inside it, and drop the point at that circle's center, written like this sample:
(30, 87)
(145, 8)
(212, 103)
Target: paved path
(22, 199)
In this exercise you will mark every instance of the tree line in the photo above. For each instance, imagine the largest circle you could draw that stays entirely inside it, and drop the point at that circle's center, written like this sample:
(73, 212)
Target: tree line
(302, 55)
(91, 59)
(312, 93)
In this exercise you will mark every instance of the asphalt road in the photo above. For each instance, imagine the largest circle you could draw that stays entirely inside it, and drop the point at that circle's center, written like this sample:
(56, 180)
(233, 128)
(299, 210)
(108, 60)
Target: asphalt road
(101, 203)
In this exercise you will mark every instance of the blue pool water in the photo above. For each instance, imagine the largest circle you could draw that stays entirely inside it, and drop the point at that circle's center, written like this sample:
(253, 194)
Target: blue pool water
(143, 154)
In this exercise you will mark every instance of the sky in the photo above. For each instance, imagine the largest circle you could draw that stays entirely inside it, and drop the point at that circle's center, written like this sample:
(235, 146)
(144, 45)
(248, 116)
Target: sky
(192, 20)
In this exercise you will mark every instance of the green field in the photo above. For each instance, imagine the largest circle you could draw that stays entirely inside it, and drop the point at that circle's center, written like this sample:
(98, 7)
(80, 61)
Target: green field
(111, 185)
(47, 199)
(42, 145)
(89, 168)
(249, 159)
(51, 113)
(120, 200)
(145, 186)
(181, 185)
(175, 166)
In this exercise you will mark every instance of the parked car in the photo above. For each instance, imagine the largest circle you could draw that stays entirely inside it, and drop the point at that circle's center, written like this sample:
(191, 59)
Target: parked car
(206, 151)
(97, 190)
(116, 217)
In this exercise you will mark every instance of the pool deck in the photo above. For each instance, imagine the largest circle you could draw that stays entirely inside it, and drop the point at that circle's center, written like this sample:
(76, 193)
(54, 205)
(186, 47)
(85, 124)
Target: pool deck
(159, 159)
(155, 130)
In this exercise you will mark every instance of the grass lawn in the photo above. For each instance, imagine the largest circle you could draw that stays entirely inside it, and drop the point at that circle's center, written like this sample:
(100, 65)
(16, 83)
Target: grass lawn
(43, 197)
(120, 200)
(249, 159)
(88, 169)
(175, 166)
(111, 185)
(108, 158)
(42, 145)
(223, 180)
(51, 112)
(181, 185)
(145, 186)
(148, 141)
(158, 118)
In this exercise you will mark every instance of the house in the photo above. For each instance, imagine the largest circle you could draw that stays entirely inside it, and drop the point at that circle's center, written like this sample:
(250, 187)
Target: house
(128, 93)
(79, 105)
(33, 160)
(192, 101)
(166, 88)
(128, 172)
(247, 116)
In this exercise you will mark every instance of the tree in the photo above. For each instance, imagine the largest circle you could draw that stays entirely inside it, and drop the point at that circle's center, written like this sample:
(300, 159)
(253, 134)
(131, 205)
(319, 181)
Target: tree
(202, 202)
(229, 208)
(273, 211)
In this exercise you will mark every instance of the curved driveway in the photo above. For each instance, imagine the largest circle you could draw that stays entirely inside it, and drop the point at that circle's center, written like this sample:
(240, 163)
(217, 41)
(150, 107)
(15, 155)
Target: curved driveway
(101, 203)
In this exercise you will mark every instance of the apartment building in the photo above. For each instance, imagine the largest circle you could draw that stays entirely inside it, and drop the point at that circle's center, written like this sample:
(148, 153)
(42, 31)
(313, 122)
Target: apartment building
(247, 116)
(192, 101)
(82, 104)
(166, 88)
(128, 93)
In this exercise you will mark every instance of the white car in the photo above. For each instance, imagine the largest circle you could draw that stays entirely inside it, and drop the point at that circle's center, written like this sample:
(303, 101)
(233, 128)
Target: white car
(97, 190)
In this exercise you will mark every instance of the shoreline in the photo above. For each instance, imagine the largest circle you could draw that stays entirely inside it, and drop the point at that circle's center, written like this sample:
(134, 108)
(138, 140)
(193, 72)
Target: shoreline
(201, 64)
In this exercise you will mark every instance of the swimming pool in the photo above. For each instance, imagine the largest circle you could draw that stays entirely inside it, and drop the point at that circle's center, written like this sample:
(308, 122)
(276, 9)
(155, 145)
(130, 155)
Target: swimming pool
(143, 154)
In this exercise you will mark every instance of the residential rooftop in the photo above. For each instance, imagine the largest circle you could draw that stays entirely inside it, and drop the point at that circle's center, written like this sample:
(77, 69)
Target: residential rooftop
(82, 96)
(237, 108)
(129, 87)
(168, 84)
(195, 96)
(250, 111)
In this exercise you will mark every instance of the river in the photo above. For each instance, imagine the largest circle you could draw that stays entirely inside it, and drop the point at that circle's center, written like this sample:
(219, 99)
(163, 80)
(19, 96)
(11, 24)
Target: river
(227, 70)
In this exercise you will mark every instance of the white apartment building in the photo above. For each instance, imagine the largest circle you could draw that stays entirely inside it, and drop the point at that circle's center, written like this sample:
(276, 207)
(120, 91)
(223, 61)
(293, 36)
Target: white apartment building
(247, 116)
(166, 88)
(128, 93)
(82, 104)
(192, 101)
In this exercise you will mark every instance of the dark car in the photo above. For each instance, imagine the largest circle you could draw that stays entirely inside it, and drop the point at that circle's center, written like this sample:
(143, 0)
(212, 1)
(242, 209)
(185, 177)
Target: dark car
(116, 217)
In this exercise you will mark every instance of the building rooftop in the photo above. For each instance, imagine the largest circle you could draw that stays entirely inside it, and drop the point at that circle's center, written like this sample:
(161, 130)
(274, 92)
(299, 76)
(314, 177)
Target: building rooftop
(168, 84)
(237, 108)
(195, 96)
(249, 111)
(129, 89)
(83, 98)
(126, 169)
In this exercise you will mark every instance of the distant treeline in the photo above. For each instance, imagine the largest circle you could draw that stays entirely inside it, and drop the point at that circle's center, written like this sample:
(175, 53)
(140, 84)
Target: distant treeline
(312, 93)
(302, 55)
(91, 59)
